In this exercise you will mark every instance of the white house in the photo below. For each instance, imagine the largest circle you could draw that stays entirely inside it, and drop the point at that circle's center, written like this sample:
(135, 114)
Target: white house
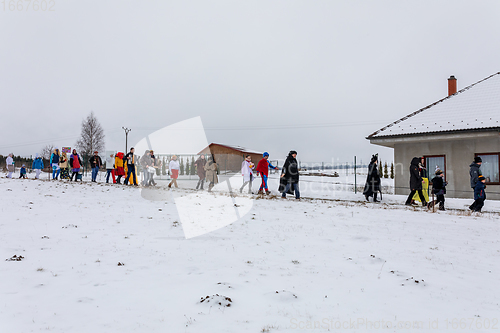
(449, 134)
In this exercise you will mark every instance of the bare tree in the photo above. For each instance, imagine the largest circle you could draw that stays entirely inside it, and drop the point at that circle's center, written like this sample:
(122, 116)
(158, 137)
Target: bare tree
(91, 138)
(47, 151)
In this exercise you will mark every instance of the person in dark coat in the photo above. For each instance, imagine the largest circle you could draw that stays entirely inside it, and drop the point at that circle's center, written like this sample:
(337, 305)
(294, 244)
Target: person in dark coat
(200, 170)
(479, 195)
(290, 172)
(372, 186)
(439, 189)
(130, 160)
(475, 171)
(95, 163)
(415, 182)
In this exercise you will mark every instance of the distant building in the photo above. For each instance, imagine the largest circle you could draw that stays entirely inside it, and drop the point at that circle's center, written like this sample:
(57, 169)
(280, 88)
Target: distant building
(449, 134)
(229, 158)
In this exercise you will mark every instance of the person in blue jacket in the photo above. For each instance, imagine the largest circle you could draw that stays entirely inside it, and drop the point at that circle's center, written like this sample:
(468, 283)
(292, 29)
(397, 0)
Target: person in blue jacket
(479, 195)
(54, 161)
(23, 172)
(37, 166)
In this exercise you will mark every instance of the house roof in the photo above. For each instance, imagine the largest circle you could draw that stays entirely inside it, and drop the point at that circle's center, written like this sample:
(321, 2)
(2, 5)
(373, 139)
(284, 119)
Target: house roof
(476, 107)
(237, 148)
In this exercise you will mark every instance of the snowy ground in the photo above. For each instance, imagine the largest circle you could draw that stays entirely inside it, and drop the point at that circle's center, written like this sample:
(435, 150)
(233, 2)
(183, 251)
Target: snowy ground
(101, 258)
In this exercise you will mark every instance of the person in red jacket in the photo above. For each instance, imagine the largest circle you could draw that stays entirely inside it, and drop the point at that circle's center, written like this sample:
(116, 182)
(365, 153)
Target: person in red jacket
(263, 169)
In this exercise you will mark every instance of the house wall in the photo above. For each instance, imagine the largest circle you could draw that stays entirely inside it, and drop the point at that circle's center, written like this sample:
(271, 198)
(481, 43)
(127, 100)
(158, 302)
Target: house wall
(229, 159)
(459, 155)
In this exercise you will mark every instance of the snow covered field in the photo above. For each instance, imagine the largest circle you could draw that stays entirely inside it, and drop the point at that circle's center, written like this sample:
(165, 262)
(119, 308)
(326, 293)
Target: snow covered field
(101, 258)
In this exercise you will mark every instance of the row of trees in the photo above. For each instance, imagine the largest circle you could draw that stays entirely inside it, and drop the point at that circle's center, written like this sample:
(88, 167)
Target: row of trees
(185, 168)
(384, 173)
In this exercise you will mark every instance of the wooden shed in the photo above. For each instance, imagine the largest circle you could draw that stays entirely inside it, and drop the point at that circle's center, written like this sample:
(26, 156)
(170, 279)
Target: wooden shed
(229, 158)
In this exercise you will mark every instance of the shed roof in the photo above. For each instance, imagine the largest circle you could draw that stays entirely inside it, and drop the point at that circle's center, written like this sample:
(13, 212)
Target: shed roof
(236, 148)
(476, 107)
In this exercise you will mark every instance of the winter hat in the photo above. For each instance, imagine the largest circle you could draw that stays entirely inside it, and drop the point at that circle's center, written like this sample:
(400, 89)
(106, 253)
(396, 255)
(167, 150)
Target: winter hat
(439, 172)
(265, 154)
(293, 152)
(24, 165)
(481, 178)
(477, 159)
(36, 155)
(374, 158)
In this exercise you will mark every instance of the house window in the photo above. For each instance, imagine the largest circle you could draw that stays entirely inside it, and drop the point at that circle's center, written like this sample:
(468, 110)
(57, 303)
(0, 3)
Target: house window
(432, 163)
(490, 167)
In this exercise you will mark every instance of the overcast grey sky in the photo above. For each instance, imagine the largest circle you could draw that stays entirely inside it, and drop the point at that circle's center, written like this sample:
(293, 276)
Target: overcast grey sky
(314, 76)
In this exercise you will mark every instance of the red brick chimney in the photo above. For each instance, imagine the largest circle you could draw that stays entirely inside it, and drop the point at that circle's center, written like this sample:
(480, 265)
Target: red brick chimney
(452, 85)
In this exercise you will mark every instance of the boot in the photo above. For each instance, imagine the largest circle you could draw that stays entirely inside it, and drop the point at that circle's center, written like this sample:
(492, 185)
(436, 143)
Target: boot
(375, 197)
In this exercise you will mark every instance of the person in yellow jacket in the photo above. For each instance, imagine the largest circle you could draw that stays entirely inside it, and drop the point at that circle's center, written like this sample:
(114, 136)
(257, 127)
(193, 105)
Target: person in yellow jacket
(119, 167)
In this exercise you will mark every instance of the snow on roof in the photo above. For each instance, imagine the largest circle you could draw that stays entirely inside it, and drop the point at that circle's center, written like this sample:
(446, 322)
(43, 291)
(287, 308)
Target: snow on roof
(475, 107)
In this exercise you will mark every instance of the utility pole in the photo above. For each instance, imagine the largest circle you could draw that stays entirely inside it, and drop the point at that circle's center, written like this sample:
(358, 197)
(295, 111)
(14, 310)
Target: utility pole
(126, 138)
(355, 182)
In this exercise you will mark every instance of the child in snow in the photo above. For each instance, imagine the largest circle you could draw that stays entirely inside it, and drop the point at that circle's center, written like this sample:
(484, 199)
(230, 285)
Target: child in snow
(247, 172)
(439, 189)
(479, 195)
(23, 172)
(37, 166)
(263, 169)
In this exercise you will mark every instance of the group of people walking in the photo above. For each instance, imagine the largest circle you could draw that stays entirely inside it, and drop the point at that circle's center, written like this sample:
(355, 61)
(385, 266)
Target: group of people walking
(289, 178)
(61, 165)
(417, 171)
